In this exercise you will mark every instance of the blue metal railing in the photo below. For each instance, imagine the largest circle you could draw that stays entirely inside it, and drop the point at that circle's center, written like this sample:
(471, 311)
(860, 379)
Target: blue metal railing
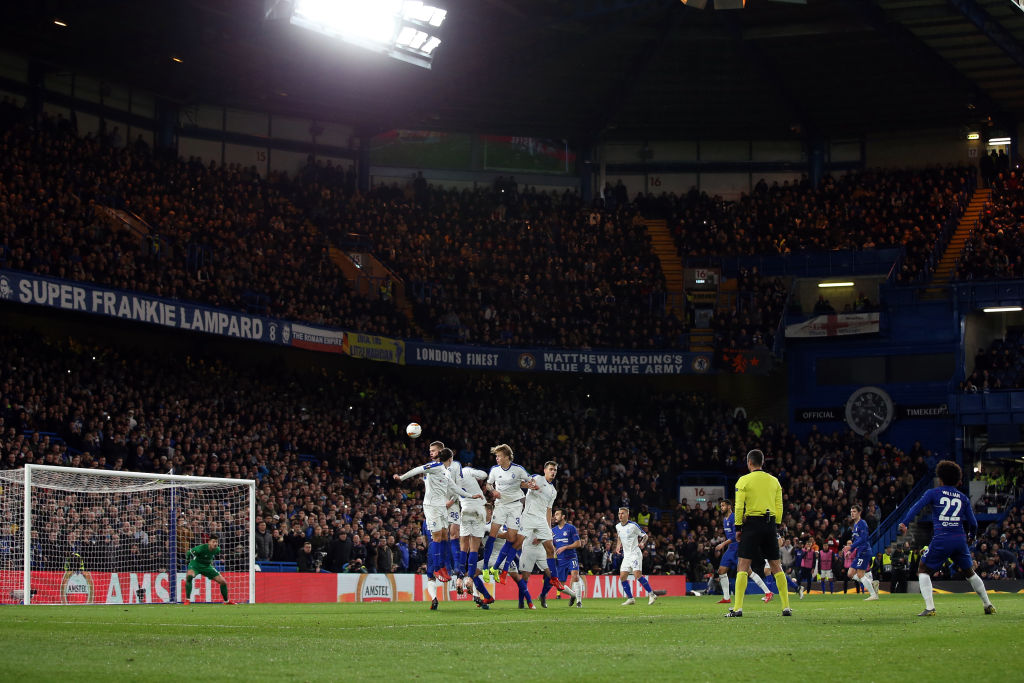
(805, 264)
(886, 532)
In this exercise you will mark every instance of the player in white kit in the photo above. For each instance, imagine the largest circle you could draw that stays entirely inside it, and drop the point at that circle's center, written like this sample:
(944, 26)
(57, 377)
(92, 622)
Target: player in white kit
(438, 489)
(631, 538)
(473, 523)
(506, 480)
(536, 523)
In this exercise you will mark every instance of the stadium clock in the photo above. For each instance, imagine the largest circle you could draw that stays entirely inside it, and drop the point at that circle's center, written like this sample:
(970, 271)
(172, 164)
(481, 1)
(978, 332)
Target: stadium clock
(869, 411)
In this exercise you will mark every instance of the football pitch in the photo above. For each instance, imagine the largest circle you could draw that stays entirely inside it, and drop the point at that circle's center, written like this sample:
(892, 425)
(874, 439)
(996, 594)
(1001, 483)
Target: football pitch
(687, 639)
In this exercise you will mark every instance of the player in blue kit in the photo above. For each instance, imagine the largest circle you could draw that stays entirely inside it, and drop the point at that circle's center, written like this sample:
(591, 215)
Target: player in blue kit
(567, 540)
(861, 543)
(730, 558)
(952, 517)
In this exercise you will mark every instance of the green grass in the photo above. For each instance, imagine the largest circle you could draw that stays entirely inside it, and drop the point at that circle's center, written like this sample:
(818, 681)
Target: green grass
(675, 639)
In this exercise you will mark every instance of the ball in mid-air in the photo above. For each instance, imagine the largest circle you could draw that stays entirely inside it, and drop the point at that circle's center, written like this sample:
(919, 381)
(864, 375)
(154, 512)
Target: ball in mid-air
(413, 430)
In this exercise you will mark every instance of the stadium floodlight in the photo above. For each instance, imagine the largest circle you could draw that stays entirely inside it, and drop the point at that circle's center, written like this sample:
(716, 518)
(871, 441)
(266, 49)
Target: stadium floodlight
(995, 142)
(1002, 309)
(825, 285)
(402, 29)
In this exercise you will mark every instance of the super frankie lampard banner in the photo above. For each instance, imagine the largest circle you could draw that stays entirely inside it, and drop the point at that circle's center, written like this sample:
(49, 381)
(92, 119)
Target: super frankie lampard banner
(38, 290)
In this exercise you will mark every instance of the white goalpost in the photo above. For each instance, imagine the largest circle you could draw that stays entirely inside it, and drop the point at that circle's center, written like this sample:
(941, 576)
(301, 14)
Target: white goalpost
(87, 536)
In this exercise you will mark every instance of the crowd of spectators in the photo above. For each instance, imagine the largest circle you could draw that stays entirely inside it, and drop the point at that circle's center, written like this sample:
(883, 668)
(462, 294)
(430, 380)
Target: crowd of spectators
(220, 236)
(995, 249)
(1000, 366)
(999, 549)
(323, 444)
(865, 210)
(754, 320)
(501, 265)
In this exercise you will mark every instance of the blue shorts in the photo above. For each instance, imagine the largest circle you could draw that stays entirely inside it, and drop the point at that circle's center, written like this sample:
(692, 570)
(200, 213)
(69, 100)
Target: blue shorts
(948, 547)
(861, 563)
(729, 556)
(566, 567)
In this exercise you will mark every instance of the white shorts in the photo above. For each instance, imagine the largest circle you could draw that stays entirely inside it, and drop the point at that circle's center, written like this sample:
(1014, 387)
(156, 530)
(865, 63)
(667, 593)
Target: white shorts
(454, 514)
(826, 574)
(537, 529)
(508, 514)
(632, 562)
(533, 556)
(436, 517)
(473, 523)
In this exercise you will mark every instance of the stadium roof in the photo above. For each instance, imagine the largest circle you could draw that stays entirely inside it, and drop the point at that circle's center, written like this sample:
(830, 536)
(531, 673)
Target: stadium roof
(586, 70)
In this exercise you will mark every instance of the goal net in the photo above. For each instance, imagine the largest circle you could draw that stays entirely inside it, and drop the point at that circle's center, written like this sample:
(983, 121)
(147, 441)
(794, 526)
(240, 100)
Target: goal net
(90, 536)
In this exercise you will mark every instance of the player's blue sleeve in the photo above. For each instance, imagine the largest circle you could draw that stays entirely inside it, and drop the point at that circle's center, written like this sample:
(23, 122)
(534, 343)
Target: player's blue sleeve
(912, 512)
(571, 535)
(971, 522)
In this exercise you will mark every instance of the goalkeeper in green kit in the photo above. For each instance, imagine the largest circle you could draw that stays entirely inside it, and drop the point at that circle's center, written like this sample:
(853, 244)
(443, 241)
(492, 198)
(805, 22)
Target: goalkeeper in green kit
(200, 561)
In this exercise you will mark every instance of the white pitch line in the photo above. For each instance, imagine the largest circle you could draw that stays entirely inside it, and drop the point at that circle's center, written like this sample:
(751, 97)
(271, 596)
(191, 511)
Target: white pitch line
(263, 627)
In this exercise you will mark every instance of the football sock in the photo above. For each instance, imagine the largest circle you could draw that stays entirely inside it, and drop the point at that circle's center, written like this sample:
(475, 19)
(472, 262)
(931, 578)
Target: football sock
(446, 555)
(866, 582)
(792, 582)
(471, 563)
(224, 591)
(546, 587)
(626, 589)
(645, 584)
(463, 559)
(479, 583)
(502, 554)
(581, 588)
(524, 591)
(831, 586)
(723, 581)
(783, 587)
(431, 589)
(925, 583)
(553, 566)
(435, 556)
(979, 587)
(188, 587)
(488, 549)
(756, 578)
(453, 557)
(511, 557)
(741, 589)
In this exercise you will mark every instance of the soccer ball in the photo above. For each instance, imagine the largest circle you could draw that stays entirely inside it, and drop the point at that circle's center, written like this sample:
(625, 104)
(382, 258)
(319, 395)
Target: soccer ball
(413, 430)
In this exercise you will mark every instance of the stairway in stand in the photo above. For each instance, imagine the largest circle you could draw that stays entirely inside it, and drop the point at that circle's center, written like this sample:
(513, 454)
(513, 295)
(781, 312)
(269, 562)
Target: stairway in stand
(664, 247)
(943, 275)
(363, 285)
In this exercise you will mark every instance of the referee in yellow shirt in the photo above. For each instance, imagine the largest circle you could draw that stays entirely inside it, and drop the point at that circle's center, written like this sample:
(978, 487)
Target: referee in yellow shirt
(758, 510)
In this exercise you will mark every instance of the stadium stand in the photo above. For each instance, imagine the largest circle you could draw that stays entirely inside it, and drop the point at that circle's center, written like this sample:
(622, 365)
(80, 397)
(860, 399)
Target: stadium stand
(323, 452)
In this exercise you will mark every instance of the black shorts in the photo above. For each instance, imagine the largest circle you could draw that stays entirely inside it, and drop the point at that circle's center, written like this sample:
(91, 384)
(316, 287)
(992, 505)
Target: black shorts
(760, 539)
